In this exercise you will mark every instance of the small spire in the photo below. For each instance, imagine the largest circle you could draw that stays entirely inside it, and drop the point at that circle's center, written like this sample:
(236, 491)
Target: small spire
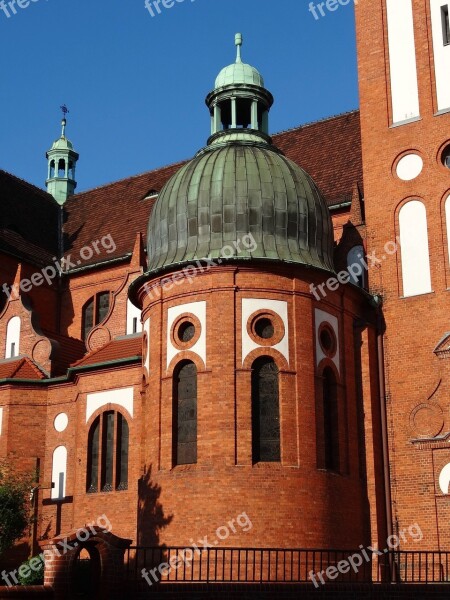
(238, 41)
(65, 110)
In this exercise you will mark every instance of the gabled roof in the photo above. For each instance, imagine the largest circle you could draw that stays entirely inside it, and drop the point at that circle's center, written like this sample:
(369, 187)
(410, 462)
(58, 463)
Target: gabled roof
(121, 348)
(20, 368)
(119, 209)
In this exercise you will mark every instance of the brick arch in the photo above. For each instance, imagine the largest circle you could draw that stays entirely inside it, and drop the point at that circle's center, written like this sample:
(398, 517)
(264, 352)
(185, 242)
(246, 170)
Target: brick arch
(61, 554)
(185, 355)
(279, 359)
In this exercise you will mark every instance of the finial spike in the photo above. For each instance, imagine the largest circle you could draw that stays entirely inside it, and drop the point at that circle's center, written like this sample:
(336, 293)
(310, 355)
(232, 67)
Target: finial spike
(238, 41)
(65, 110)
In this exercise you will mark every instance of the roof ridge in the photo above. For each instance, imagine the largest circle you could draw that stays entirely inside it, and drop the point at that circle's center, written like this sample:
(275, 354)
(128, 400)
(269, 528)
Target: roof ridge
(44, 194)
(91, 353)
(323, 120)
(20, 363)
(105, 185)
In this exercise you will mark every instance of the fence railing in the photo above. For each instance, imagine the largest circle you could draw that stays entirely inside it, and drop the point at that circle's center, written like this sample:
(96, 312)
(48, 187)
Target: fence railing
(158, 565)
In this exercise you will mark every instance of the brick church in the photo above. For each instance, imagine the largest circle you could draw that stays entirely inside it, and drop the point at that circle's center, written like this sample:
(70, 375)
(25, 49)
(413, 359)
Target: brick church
(263, 329)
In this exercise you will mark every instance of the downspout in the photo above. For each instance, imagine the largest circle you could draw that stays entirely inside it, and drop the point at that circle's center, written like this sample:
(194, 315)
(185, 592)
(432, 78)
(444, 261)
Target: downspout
(384, 433)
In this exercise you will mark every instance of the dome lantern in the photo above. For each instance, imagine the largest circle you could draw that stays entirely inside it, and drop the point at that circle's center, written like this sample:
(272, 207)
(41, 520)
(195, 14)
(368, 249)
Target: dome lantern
(239, 101)
(62, 160)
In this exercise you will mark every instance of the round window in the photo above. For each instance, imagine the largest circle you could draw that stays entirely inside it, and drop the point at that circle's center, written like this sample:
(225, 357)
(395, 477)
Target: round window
(446, 157)
(264, 328)
(186, 332)
(327, 340)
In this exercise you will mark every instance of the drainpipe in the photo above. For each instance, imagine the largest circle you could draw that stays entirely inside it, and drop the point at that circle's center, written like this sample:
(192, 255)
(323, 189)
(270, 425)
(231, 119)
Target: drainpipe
(384, 433)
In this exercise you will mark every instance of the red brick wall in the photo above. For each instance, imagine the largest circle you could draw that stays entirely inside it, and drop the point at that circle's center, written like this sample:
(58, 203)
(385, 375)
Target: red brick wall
(413, 325)
(290, 504)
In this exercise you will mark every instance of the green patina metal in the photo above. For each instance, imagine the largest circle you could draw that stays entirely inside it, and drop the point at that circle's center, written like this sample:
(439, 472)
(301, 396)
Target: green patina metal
(62, 160)
(240, 184)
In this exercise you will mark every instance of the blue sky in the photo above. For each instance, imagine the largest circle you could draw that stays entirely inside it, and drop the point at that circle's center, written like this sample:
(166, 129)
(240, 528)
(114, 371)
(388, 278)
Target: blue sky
(135, 85)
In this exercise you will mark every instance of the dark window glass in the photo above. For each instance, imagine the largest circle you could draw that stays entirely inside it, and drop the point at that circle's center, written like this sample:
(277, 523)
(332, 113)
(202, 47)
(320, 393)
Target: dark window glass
(88, 318)
(265, 411)
(330, 421)
(95, 311)
(122, 453)
(107, 451)
(102, 306)
(93, 457)
(264, 328)
(186, 332)
(445, 24)
(185, 415)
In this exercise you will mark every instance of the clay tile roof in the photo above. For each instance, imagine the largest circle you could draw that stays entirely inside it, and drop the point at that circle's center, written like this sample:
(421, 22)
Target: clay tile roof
(19, 198)
(20, 368)
(66, 351)
(330, 151)
(117, 349)
(119, 209)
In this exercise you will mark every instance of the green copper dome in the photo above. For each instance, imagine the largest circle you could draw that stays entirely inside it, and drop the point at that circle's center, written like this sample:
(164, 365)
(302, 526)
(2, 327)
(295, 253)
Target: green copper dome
(240, 184)
(228, 192)
(239, 72)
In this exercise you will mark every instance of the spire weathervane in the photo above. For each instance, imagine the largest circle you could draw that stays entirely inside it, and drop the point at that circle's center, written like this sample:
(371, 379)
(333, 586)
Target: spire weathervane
(238, 41)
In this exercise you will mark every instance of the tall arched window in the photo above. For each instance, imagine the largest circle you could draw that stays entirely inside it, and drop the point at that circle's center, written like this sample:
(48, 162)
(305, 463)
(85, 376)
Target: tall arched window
(94, 311)
(59, 473)
(12, 338)
(330, 421)
(265, 411)
(354, 257)
(414, 249)
(447, 219)
(107, 460)
(185, 414)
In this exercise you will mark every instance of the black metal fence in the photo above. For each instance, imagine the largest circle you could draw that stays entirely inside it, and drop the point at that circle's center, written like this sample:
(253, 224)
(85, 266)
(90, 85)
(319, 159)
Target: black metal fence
(153, 565)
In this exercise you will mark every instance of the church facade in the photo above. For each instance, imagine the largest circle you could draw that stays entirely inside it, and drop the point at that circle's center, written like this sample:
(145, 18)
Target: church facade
(260, 331)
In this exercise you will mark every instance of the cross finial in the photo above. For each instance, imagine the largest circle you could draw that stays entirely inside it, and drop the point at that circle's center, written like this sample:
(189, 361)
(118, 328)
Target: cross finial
(238, 41)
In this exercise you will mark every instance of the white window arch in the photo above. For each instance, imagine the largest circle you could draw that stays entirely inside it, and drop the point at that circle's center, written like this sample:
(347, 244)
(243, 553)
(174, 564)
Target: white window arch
(356, 257)
(134, 324)
(12, 338)
(415, 255)
(59, 473)
(447, 220)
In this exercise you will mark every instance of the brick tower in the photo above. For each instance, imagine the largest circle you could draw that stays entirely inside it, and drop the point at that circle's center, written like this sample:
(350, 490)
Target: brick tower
(404, 77)
(251, 401)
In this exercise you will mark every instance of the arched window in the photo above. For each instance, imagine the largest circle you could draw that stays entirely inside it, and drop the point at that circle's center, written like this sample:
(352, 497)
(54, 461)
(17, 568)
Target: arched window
(61, 168)
(414, 249)
(51, 173)
(94, 311)
(12, 338)
(447, 219)
(185, 414)
(354, 257)
(265, 411)
(59, 473)
(107, 460)
(330, 421)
